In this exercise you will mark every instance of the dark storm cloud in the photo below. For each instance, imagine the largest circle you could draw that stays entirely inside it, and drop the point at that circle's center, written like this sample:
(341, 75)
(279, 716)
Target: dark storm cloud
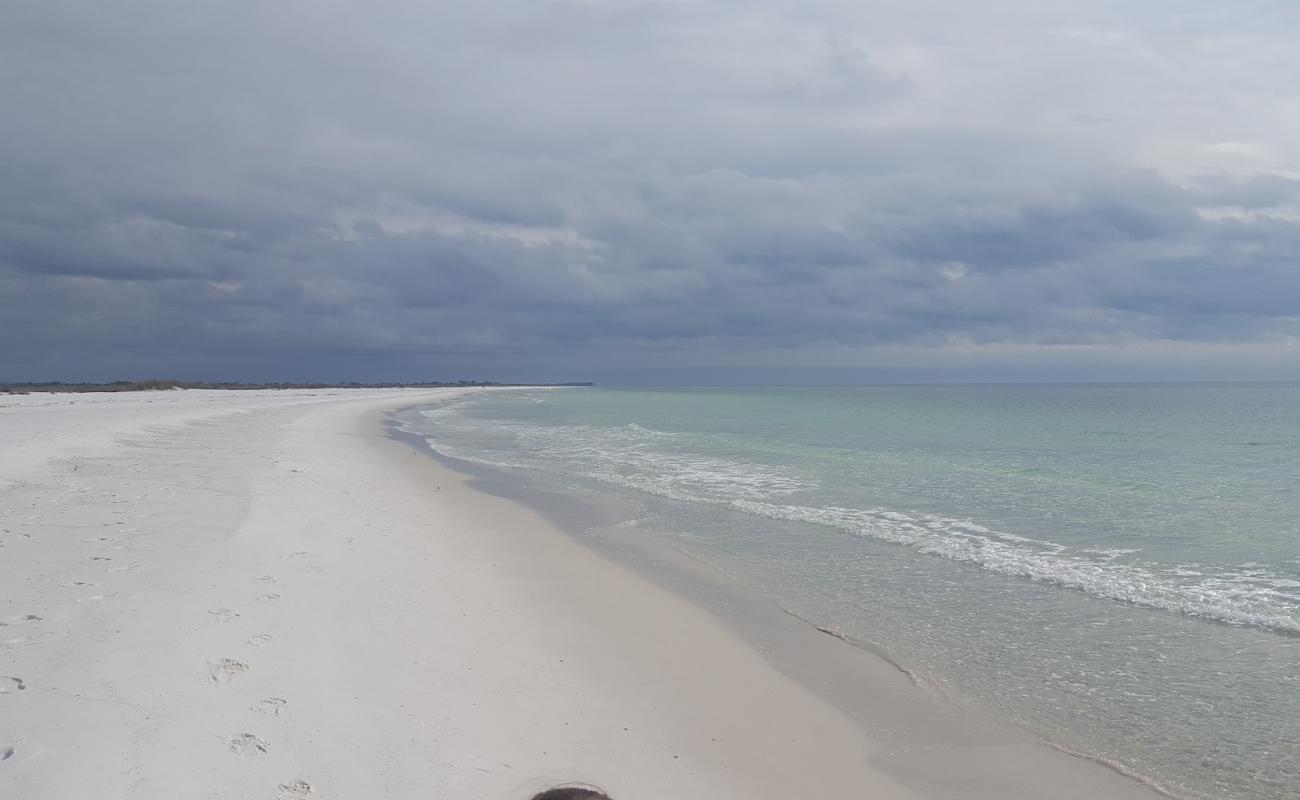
(612, 188)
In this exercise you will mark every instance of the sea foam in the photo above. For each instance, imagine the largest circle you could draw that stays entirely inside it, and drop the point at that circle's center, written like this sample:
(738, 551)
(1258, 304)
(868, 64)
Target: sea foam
(659, 463)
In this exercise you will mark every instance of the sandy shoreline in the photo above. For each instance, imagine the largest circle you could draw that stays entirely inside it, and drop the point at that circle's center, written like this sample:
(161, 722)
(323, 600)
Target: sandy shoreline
(262, 596)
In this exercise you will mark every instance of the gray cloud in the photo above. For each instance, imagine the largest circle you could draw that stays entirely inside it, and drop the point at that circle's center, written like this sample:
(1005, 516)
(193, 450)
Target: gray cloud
(644, 191)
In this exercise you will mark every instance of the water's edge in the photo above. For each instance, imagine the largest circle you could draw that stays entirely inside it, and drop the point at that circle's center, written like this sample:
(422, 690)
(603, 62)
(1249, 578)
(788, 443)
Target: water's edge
(826, 662)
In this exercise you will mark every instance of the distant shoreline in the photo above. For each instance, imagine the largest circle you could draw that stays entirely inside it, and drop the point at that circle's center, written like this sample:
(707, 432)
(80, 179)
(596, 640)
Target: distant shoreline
(167, 385)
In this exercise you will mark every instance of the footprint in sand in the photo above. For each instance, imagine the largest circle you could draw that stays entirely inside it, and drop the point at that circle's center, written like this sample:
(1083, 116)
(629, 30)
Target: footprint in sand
(25, 641)
(8, 684)
(266, 598)
(270, 706)
(301, 557)
(224, 614)
(259, 639)
(6, 753)
(264, 578)
(71, 584)
(298, 788)
(27, 622)
(20, 618)
(246, 744)
(224, 670)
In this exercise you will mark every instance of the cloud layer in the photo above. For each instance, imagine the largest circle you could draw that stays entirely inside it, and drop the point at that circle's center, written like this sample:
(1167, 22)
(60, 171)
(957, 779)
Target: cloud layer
(647, 191)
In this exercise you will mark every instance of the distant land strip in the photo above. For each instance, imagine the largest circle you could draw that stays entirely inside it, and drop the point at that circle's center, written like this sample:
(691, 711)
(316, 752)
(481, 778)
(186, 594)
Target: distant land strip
(161, 385)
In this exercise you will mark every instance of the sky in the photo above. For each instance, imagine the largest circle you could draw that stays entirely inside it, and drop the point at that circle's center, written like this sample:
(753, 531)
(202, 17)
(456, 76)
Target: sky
(813, 191)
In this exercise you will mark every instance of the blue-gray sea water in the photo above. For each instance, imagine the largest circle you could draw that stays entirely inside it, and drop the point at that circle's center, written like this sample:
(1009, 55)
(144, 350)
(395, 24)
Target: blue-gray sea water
(1115, 567)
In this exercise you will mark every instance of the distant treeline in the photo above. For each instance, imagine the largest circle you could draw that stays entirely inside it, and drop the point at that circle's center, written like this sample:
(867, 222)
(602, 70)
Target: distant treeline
(158, 385)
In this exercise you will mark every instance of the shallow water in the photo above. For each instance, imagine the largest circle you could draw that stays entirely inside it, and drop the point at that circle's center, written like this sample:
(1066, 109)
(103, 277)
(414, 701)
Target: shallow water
(1114, 567)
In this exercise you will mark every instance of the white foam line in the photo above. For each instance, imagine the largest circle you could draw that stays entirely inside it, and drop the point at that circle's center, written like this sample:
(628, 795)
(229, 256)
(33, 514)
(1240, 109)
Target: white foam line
(622, 457)
(1240, 601)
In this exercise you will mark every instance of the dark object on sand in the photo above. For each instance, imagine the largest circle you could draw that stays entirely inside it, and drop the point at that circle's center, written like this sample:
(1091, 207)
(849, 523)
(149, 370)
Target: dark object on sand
(571, 793)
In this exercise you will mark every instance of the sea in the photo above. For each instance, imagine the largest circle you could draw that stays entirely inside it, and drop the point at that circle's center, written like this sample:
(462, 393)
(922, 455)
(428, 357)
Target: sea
(1115, 568)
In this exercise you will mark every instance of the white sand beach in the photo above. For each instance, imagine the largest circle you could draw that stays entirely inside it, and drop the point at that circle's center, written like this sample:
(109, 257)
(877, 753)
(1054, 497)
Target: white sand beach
(258, 594)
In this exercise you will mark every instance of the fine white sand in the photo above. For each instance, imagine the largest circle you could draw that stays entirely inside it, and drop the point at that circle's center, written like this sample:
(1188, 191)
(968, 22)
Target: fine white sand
(258, 595)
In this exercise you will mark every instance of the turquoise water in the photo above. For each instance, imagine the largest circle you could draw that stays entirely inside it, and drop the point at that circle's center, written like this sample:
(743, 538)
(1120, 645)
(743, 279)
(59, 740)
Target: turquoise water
(1114, 567)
